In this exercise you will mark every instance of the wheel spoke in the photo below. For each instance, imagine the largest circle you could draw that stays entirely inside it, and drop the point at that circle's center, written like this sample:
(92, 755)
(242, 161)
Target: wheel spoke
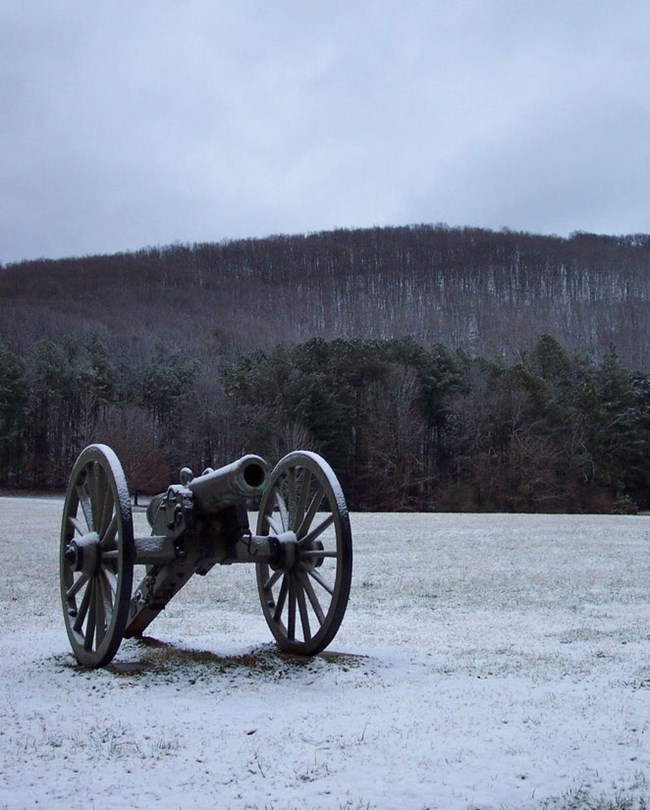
(77, 525)
(92, 615)
(321, 581)
(93, 491)
(313, 599)
(107, 594)
(302, 607)
(100, 612)
(109, 535)
(270, 582)
(74, 589)
(107, 507)
(316, 554)
(282, 508)
(305, 485)
(291, 498)
(83, 609)
(282, 598)
(111, 579)
(316, 532)
(99, 496)
(273, 524)
(291, 622)
(308, 519)
(86, 508)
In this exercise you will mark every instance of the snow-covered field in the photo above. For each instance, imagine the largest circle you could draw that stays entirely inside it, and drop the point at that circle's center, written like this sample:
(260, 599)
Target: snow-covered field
(485, 661)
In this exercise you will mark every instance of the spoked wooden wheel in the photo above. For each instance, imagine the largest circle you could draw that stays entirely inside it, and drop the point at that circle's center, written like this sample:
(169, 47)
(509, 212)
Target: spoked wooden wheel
(97, 556)
(305, 597)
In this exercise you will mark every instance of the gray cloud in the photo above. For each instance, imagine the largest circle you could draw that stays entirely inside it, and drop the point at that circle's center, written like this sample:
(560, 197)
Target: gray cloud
(131, 124)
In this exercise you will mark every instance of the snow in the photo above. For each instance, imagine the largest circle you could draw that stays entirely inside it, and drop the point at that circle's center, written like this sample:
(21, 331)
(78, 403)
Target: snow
(485, 661)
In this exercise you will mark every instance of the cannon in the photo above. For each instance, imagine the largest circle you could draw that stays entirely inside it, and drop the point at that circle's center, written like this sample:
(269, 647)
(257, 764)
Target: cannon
(302, 549)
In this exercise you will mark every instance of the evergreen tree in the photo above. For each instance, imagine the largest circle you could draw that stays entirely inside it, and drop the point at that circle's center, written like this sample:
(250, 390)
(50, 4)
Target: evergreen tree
(13, 423)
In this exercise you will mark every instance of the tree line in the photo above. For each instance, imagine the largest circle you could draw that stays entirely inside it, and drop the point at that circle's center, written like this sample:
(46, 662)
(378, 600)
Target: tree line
(405, 425)
(488, 293)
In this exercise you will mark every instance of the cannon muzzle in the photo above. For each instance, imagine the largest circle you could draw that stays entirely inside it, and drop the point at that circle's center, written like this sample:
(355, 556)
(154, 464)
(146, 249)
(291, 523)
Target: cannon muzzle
(217, 489)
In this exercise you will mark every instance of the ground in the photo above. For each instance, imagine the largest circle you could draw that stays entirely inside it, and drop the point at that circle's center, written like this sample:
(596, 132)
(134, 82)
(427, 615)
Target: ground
(485, 662)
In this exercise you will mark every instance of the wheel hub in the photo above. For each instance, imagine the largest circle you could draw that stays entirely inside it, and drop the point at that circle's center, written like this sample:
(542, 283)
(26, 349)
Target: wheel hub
(287, 545)
(84, 554)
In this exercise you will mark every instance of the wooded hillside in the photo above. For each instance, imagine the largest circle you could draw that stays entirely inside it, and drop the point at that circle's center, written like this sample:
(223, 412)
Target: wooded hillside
(435, 367)
(492, 294)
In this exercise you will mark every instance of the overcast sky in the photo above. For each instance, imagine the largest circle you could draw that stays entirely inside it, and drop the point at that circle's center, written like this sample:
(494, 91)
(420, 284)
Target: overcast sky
(130, 123)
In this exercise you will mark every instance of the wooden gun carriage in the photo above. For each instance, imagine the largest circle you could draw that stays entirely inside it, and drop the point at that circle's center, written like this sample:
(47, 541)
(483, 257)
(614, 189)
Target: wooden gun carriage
(302, 550)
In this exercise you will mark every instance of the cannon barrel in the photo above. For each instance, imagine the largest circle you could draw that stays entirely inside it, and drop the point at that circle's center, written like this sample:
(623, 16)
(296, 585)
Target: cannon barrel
(217, 489)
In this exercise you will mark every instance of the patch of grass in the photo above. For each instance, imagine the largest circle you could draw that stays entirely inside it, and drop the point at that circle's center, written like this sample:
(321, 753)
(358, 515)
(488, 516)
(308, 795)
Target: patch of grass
(582, 799)
(163, 747)
(161, 658)
(111, 742)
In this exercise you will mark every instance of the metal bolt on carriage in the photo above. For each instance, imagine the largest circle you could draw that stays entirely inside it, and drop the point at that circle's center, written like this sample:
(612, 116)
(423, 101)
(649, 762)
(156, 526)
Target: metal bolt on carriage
(302, 550)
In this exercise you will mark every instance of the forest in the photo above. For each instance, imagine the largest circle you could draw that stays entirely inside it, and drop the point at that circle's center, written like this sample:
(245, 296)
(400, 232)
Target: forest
(435, 368)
